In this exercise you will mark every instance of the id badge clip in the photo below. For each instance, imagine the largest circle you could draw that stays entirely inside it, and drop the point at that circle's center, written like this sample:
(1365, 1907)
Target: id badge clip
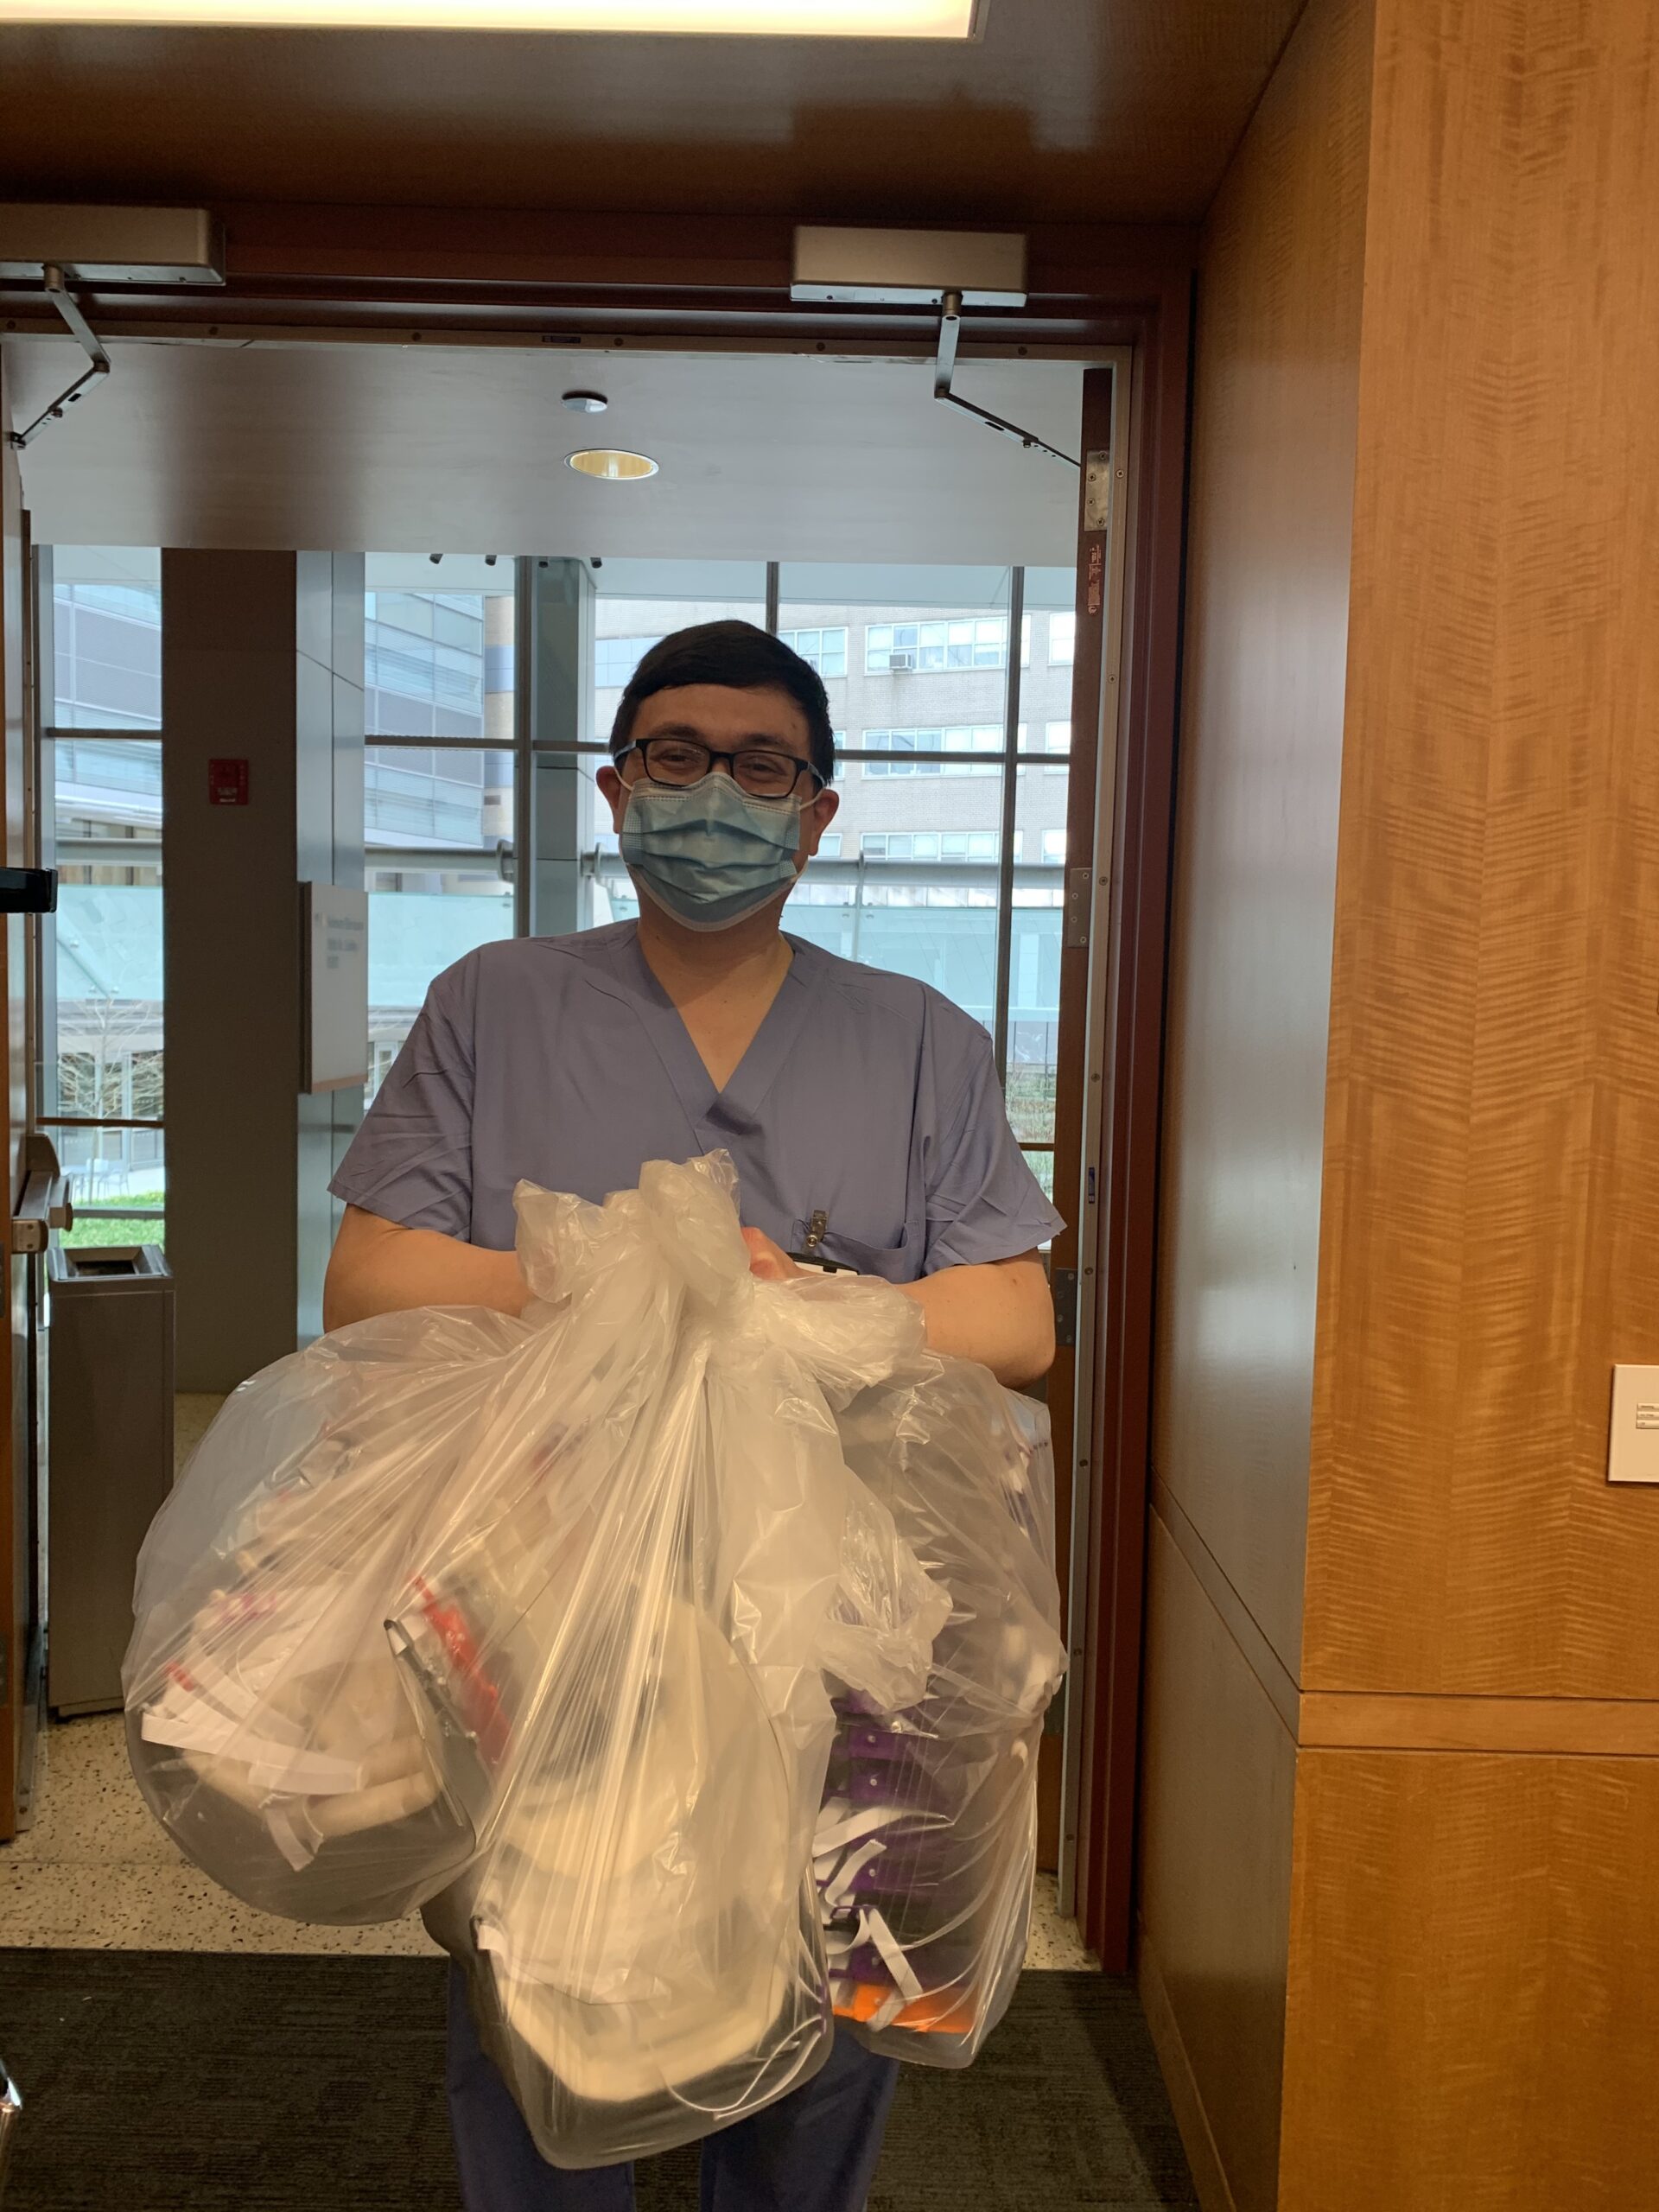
(810, 1254)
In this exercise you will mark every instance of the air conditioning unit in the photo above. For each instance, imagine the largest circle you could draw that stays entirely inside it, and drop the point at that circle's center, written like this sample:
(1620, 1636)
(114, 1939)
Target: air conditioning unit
(901, 663)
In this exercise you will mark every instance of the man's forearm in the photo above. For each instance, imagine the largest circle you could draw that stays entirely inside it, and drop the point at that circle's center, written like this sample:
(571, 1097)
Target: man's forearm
(379, 1268)
(1001, 1316)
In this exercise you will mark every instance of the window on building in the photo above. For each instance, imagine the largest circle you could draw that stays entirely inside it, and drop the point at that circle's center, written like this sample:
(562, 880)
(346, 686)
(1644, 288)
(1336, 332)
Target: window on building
(106, 638)
(1062, 639)
(915, 887)
(931, 844)
(616, 658)
(911, 749)
(967, 641)
(825, 650)
(427, 665)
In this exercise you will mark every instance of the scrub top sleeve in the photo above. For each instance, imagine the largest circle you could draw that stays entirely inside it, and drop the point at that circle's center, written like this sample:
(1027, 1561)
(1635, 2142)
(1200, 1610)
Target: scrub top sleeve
(412, 1161)
(983, 1202)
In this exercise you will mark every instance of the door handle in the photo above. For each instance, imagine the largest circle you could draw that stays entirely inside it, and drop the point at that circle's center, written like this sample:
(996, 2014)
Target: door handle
(61, 1204)
(47, 1204)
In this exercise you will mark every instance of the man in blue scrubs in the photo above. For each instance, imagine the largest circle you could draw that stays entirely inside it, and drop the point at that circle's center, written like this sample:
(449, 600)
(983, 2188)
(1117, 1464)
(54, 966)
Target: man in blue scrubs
(863, 1112)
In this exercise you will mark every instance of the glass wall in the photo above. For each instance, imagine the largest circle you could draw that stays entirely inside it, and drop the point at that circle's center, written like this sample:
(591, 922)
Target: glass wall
(1041, 799)
(920, 705)
(912, 876)
(439, 676)
(916, 883)
(102, 1074)
(917, 874)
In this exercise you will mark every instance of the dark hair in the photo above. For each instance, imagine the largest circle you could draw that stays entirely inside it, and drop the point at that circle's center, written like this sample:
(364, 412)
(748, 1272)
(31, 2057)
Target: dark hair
(746, 659)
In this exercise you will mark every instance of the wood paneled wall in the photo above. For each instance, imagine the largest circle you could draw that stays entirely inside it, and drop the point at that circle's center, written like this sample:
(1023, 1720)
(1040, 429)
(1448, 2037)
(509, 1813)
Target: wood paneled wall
(1475, 1931)
(1217, 1781)
(1493, 1152)
(1270, 527)
(1468, 1672)
(1269, 532)
(1474, 2008)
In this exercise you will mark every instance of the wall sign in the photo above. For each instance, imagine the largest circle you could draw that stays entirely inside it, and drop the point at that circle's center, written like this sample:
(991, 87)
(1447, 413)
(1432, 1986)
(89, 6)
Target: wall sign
(227, 783)
(336, 1032)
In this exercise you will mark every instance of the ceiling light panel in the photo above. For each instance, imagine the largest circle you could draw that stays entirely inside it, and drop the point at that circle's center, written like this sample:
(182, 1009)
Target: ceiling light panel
(612, 465)
(931, 19)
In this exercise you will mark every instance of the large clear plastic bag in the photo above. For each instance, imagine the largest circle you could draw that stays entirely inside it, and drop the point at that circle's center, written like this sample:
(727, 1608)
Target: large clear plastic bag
(266, 1722)
(640, 1930)
(927, 1843)
(539, 1614)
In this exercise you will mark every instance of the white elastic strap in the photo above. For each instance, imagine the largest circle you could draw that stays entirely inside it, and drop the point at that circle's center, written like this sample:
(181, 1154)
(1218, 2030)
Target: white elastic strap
(295, 1848)
(892, 1957)
(270, 1765)
(855, 1826)
(838, 1891)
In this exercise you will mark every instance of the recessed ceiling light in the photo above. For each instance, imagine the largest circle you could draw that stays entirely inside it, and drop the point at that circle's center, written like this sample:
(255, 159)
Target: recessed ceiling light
(614, 468)
(586, 403)
(950, 19)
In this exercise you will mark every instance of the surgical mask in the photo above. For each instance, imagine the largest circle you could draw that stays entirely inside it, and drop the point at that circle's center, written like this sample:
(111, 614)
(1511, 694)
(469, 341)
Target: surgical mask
(709, 854)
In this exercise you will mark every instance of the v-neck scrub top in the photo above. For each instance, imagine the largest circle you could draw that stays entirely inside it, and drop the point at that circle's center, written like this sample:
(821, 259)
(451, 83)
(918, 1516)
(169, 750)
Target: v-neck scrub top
(866, 1096)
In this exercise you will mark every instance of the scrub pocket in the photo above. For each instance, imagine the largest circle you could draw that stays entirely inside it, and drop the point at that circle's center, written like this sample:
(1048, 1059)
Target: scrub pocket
(892, 1262)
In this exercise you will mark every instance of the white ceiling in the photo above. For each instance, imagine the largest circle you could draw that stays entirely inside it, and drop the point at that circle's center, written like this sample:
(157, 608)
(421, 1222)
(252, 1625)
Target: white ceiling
(421, 449)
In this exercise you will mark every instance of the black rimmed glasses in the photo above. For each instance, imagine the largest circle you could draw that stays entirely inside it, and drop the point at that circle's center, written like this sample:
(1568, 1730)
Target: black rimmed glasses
(762, 772)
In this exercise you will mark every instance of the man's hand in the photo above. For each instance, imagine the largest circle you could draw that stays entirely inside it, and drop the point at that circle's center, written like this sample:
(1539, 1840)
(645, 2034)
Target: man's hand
(1002, 1314)
(768, 1263)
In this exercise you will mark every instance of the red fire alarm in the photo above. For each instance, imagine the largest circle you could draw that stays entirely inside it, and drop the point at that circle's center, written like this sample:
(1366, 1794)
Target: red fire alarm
(227, 783)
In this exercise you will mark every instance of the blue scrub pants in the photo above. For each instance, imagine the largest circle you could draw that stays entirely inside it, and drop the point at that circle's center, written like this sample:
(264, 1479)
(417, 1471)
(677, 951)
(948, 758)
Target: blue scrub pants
(814, 2150)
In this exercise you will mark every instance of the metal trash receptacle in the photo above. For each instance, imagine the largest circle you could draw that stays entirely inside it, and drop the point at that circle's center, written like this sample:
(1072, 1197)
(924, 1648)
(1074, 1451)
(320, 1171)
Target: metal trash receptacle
(109, 1456)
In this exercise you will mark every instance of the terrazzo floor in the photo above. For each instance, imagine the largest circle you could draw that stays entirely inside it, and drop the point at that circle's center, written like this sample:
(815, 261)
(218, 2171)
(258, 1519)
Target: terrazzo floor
(95, 1872)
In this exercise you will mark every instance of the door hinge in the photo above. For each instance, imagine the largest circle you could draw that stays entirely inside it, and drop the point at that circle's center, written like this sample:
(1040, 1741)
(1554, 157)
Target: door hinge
(1065, 1286)
(1077, 887)
(1097, 493)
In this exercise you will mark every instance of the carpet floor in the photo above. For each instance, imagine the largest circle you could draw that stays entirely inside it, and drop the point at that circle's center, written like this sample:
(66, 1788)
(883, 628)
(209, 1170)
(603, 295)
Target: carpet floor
(190, 2081)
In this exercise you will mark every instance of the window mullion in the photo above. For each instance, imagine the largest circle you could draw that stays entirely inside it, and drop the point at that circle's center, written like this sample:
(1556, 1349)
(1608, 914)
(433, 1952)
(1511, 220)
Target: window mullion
(1010, 807)
(523, 661)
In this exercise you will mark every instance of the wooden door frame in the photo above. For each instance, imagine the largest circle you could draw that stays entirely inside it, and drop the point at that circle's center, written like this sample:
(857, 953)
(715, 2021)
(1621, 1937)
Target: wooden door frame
(483, 276)
(1130, 987)
(17, 1563)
